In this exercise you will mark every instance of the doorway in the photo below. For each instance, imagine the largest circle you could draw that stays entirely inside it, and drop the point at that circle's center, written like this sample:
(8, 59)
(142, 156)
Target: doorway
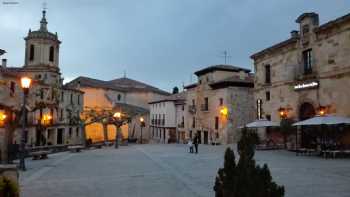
(205, 137)
(199, 133)
(306, 111)
(59, 136)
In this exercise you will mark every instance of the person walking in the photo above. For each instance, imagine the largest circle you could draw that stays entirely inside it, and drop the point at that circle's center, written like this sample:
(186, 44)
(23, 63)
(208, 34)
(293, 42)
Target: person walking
(190, 145)
(196, 142)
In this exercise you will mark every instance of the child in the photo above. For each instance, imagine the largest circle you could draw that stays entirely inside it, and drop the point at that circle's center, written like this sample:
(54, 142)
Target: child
(190, 145)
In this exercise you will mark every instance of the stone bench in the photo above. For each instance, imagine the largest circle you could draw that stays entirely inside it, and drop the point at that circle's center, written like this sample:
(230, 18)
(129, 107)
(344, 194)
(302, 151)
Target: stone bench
(75, 149)
(97, 145)
(39, 155)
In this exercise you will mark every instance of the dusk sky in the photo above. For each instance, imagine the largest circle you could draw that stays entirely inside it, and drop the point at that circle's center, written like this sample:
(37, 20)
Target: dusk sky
(159, 42)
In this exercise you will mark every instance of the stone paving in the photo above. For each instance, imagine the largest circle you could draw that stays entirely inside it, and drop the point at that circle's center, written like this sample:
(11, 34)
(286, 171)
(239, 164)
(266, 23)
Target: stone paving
(168, 170)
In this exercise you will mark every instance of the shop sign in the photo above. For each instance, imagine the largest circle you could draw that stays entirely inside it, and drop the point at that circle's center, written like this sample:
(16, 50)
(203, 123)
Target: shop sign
(306, 85)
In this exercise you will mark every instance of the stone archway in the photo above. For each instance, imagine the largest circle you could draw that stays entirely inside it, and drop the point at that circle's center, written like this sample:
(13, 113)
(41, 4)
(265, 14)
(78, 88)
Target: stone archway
(306, 111)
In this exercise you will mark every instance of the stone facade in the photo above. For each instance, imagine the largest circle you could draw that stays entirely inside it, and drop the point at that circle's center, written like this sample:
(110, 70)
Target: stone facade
(214, 107)
(167, 118)
(117, 94)
(308, 73)
(47, 95)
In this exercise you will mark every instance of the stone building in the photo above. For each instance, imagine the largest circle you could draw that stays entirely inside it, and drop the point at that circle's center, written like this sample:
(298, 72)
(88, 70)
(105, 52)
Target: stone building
(219, 103)
(47, 97)
(167, 119)
(306, 74)
(118, 94)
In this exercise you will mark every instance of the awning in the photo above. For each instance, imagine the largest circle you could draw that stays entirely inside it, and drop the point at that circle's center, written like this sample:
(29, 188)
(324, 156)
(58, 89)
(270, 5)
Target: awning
(261, 124)
(324, 120)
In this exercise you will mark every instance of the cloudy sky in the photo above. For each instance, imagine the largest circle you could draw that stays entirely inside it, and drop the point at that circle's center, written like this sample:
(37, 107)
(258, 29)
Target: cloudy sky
(160, 42)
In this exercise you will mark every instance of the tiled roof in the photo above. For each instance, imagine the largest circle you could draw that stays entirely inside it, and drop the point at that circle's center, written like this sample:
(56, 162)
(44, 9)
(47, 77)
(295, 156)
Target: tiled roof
(121, 84)
(133, 85)
(181, 97)
(221, 67)
(234, 81)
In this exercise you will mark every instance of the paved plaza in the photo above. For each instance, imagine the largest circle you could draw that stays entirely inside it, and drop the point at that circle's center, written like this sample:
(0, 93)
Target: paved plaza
(168, 170)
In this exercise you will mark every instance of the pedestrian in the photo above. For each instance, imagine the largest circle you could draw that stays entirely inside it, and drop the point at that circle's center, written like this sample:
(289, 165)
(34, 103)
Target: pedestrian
(190, 145)
(196, 142)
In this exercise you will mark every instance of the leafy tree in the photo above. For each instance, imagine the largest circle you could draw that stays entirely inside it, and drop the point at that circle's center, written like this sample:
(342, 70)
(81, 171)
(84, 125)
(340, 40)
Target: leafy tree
(286, 129)
(175, 90)
(245, 179)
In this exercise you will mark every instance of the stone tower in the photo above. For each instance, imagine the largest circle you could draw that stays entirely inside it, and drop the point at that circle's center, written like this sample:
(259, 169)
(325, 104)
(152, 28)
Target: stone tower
(42, 53)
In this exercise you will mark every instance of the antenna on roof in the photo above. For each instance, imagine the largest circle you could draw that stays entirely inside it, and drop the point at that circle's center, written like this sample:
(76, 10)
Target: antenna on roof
(226, 56)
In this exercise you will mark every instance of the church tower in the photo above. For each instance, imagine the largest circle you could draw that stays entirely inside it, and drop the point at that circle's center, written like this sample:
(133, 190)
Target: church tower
(42, 48)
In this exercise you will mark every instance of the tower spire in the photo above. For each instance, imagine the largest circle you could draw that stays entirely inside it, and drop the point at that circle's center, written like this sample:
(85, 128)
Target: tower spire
(43, 22)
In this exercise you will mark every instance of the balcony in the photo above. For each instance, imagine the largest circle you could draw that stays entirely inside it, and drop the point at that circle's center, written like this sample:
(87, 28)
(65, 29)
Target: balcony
(192, 109)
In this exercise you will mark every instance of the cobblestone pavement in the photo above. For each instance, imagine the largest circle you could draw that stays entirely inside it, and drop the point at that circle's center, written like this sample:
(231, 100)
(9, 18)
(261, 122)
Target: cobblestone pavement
(169, 170)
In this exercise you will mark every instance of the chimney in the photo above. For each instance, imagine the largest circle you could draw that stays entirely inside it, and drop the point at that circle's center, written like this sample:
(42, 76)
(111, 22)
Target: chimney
(4, 62)
(294, 33)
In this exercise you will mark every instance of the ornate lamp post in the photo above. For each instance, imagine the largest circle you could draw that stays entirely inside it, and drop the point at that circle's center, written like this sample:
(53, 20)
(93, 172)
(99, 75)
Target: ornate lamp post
(25, 84)
(118, 123)
(142, 124)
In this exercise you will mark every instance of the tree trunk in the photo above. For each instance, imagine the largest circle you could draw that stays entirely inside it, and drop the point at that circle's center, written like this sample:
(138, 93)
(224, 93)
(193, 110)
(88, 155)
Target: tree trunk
(83, 135)
(105, 133)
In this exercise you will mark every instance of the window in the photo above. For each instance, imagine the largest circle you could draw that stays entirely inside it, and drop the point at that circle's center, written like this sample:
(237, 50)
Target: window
(31, 53)
(268, 117)
(70, 132)
(193, 122)
(307, 59)
(119, 97)
(61, 115)
(183, 107)
(267, 95)
(62, 96)
(221, 101)
(71, 98)
(12, 88)
(77, 131)
(267, 73)
(306, 29)
(216, 123)
(41, 93)
(78, 99)
(206, 104)
(193, 102)
(52, 50)
(259, 109)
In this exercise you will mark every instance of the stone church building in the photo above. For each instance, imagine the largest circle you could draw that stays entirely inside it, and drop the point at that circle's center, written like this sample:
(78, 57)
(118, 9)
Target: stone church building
(47, 98)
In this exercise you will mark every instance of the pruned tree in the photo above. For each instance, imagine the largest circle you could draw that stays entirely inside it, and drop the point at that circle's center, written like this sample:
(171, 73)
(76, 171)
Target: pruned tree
(237, 180)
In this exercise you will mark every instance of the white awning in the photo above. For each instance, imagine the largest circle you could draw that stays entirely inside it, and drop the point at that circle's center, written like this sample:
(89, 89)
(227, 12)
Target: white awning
(261, 124)
(324, 120)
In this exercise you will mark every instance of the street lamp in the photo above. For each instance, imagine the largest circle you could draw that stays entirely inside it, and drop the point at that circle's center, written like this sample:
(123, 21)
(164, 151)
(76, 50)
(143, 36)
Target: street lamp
(283, 113)
(224, 111)
(118, 123)
(143, 124)
(25, 84)
(2, 118)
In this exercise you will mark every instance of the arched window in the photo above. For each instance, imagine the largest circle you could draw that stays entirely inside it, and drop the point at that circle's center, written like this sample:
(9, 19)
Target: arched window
(31, 52)
(52, 50)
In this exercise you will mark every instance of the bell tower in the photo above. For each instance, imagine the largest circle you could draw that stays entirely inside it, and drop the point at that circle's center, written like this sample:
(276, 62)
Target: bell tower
(42, 47)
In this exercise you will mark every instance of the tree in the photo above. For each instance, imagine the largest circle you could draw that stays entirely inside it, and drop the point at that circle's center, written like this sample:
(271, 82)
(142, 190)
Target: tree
(175, 90)
(286, 129)
(245, 179)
